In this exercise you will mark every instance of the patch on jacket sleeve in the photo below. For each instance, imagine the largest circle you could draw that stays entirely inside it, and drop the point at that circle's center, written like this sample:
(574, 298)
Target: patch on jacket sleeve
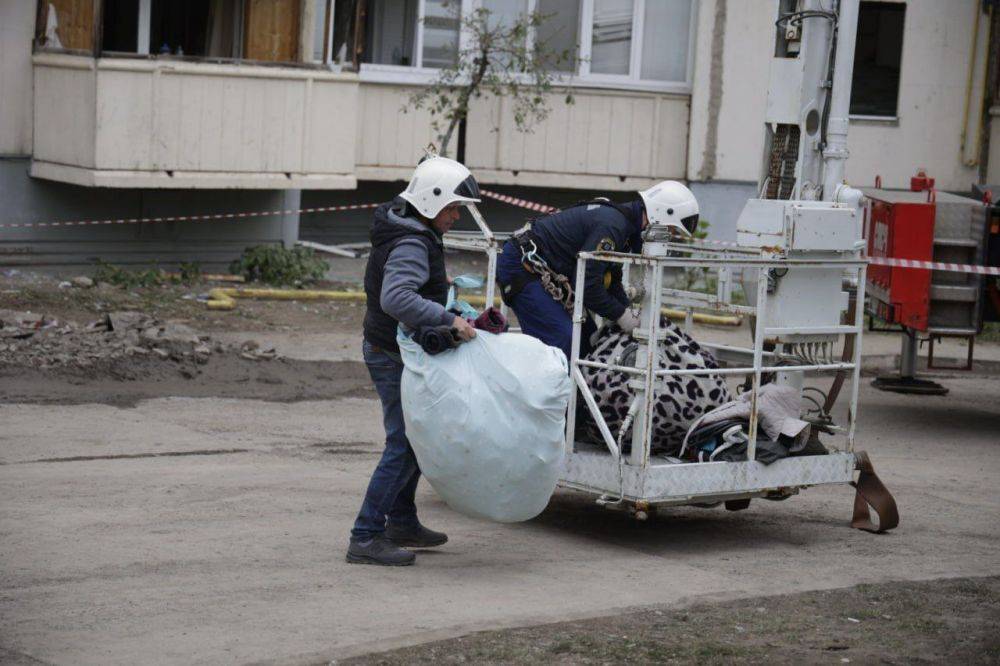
(606, 244)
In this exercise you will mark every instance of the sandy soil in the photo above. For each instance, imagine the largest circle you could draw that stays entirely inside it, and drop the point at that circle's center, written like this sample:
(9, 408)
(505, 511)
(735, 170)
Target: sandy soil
(125, 382)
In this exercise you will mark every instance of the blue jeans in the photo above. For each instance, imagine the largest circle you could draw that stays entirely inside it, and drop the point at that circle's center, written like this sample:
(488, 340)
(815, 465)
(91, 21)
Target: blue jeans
(540, 315)
(394, 483)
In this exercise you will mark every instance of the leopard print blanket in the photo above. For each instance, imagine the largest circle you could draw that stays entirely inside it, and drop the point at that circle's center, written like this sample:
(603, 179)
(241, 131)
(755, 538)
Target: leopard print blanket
(680, 400)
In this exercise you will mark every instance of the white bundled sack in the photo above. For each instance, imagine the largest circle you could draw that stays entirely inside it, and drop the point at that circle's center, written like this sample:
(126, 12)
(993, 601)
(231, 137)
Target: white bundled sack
(487, 422)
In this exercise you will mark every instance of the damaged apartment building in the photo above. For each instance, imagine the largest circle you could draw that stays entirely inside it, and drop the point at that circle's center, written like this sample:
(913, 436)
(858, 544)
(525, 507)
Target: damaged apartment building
(126, 109)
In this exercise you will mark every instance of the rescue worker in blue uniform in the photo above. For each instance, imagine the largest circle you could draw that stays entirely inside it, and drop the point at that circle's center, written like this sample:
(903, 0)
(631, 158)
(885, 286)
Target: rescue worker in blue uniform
(536, 271)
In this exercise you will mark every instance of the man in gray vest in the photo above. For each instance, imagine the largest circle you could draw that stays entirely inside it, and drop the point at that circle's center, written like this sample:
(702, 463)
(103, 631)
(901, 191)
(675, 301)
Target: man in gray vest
(405, 283)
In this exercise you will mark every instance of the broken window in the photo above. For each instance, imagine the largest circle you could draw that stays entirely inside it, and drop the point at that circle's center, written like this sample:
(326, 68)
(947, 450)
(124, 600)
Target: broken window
(272, 30)
(341, 26)
(179, 27)
(197, 28)
(121, 21)
(267, 30)
(878, 54)
(66, 24)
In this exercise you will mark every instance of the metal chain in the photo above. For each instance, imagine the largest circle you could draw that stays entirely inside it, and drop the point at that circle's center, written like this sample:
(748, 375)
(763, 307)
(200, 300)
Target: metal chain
(556, 285)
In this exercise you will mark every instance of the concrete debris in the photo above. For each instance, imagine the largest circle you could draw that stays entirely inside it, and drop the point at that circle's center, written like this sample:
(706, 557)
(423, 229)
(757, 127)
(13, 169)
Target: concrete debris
(36, 340)
(124, 321)
(83, 282)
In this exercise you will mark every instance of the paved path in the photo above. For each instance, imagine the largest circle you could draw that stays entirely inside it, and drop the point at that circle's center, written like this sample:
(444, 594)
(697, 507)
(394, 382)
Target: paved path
(238, 557)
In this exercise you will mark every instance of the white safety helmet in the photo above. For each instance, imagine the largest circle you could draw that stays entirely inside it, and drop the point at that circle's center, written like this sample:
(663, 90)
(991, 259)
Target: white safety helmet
(671, 204)
(438, 182)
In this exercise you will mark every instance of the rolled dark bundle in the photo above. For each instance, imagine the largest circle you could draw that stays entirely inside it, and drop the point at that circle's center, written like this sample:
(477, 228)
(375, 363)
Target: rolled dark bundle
(491, 321)
(435, 339)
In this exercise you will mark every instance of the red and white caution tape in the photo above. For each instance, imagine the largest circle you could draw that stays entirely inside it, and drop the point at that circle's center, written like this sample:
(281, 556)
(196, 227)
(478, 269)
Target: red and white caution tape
(523, 203)
(514, 201)
(935, 265)
(192, 218)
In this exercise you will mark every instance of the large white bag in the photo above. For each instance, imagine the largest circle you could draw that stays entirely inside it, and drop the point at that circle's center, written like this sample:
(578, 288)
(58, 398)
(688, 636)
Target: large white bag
(487, 421)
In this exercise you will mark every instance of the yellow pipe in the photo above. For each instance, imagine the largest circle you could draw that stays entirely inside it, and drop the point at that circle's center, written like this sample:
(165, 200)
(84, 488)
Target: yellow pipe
(224, 298)
(973, 57)
(212, 277)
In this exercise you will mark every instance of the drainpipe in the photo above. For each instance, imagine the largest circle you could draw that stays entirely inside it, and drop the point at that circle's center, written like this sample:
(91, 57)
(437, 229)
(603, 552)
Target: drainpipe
(835, 154)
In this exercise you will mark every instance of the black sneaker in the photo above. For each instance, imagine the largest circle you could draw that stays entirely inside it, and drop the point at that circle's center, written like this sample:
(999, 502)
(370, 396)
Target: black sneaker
(415, 537)
(379, 550)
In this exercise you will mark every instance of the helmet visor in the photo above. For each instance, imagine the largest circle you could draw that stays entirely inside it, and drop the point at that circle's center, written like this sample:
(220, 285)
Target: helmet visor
(690, 223)
(468, 189)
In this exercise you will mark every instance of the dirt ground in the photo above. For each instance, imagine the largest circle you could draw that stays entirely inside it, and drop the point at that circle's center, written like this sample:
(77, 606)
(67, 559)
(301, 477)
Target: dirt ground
(157, 512)
(126, 382)
(180, 302)
(941, 622)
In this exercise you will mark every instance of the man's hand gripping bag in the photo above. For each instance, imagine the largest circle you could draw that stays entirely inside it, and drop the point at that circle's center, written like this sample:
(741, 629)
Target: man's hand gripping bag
(487, 422)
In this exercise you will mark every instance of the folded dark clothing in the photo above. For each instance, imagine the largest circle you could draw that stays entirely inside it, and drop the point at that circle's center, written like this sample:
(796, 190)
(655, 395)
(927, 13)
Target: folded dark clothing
(768, 451)
(491, 321)
(807, 445)
(435, 339)
(706, 432)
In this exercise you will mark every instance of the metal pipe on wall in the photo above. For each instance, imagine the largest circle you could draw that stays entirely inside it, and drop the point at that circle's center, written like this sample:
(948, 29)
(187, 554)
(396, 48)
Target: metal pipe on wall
(835, 154)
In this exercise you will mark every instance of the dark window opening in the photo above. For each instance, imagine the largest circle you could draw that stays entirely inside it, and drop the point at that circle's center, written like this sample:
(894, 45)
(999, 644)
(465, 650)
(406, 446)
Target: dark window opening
(343, 23)
(877, 57)
(251, 30)
(176, 27)
(120, 25)
(179, 27)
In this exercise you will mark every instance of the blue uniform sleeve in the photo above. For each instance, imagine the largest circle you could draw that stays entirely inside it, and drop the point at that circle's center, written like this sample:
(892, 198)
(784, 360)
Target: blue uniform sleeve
(617, 288)
(609, 234)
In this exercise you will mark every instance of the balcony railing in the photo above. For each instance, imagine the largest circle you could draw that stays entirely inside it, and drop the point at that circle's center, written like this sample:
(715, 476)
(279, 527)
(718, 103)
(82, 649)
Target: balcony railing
(116, 122)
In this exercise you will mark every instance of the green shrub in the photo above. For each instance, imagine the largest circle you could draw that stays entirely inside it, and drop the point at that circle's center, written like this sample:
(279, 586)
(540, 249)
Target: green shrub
(190, 271)
(148, 277)
(122, 277)
(276, 265)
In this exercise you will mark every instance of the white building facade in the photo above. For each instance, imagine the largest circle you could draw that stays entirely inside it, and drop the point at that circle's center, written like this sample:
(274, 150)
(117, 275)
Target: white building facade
(140, 107)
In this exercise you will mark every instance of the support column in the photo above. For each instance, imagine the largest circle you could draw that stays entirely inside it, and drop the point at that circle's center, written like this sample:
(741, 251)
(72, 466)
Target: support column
(906, 381)
(291, 202)
(908, 357)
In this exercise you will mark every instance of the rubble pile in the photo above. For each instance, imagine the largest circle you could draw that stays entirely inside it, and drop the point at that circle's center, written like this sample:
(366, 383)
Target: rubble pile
(36, 340)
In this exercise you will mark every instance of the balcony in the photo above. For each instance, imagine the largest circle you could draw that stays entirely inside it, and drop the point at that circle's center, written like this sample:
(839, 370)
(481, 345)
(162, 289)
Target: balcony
(155, 123)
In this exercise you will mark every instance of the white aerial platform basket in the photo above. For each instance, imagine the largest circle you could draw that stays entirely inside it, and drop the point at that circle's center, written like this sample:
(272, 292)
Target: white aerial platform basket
(640, 481)
(647, 480)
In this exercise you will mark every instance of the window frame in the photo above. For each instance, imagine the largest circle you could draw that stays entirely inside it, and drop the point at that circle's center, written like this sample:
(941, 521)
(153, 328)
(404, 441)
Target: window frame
(582, 78)
(892, 119)
(144, 33)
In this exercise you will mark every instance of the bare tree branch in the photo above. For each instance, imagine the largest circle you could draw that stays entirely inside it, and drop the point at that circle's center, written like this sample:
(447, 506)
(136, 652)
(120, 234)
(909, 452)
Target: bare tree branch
(499, 63)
